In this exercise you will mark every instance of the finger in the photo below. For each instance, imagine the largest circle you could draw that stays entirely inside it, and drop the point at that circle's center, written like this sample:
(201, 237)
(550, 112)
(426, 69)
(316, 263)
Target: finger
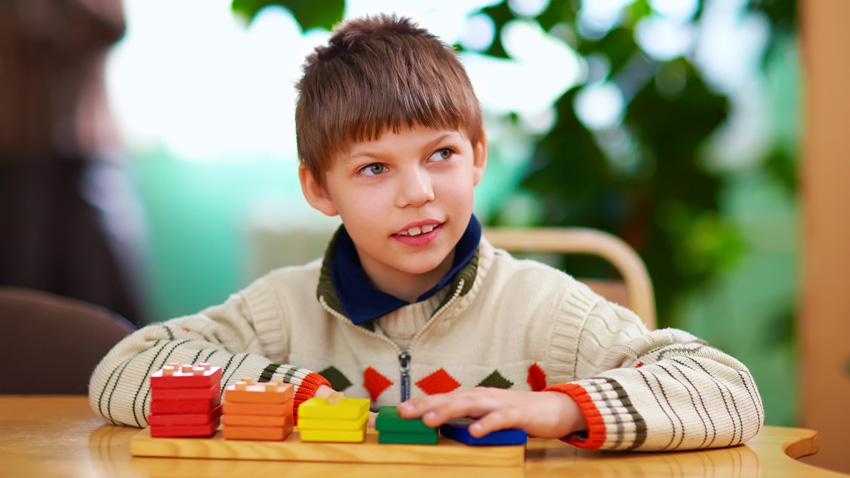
(500, 419)
(440, 409)
(372, 417)
(416, 407)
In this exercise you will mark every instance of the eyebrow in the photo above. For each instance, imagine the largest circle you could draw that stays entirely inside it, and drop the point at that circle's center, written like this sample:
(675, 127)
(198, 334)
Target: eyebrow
(378, 155)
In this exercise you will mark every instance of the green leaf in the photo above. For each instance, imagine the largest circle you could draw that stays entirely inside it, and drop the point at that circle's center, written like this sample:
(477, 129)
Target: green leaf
(308, 13)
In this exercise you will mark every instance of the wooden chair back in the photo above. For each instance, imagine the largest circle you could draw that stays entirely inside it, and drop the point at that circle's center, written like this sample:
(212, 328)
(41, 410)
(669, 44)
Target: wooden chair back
(635, 289)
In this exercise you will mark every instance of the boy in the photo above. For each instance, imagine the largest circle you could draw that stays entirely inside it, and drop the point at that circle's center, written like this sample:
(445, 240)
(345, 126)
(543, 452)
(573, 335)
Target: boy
(411, 305)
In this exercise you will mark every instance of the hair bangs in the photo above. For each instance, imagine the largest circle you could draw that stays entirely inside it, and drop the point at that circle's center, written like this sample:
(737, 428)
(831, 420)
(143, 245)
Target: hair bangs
(378, 75)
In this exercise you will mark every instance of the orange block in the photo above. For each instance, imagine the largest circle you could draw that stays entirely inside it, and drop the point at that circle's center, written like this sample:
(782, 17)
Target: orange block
(257, 433)
(256, 421)
(246, 391)
(258, 409)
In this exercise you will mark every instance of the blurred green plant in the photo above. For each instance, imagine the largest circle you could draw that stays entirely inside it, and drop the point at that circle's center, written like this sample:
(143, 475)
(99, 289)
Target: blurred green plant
(308, 13)
(665, 202)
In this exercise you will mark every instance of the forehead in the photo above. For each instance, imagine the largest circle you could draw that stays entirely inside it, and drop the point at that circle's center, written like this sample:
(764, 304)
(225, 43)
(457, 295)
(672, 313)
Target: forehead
(414, 137)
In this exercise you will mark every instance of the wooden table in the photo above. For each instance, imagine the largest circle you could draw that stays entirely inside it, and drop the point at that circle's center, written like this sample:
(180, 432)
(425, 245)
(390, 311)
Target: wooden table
(52, 436)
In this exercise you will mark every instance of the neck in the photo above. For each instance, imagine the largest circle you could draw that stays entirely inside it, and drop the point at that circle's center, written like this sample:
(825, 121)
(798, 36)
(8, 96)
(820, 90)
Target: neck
(408, 287)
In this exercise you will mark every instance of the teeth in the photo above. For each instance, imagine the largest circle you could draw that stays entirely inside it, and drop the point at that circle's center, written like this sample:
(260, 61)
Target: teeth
(415, 231)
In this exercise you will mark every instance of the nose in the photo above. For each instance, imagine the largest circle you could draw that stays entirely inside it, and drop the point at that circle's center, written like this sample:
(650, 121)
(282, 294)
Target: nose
(415, 188)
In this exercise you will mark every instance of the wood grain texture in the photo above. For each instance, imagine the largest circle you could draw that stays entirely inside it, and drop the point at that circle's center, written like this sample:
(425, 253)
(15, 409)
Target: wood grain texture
(59, 436)
(446, 452)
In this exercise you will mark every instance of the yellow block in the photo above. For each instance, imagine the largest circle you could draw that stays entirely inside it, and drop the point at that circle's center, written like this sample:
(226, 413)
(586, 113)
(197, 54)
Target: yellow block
(348, 409)
(319, 424)
(348, 436)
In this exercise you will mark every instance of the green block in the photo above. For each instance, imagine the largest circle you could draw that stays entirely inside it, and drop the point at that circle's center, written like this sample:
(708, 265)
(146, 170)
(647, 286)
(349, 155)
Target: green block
(409, 438)
(389, 421)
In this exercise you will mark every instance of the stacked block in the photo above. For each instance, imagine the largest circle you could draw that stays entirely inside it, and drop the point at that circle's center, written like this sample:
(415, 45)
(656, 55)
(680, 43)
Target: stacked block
(459, 430)
(185, 401)
(333, 419)
(258, 411)
(394, 429)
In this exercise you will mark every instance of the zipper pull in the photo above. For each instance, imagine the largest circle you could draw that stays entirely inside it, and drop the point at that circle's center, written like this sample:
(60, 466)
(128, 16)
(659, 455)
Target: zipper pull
(404, 364)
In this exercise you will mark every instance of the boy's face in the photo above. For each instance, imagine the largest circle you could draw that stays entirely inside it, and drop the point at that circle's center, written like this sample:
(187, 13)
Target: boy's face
(405, 199)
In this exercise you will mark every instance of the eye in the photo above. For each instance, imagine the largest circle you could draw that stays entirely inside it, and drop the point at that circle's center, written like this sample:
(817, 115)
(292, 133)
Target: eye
(441, 154)
(373, 169)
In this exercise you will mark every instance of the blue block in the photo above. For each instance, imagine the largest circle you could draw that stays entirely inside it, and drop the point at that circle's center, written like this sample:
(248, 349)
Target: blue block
(459, 430)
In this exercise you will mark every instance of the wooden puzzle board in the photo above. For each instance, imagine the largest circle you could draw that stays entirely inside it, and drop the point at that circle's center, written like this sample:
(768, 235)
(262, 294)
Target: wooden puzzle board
(445, 452)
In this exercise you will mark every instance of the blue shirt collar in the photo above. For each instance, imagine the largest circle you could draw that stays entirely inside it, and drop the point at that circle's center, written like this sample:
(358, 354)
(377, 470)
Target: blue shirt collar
(361, 301)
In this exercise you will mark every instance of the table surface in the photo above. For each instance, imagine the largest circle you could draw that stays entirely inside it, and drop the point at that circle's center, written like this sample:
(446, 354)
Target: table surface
(51, 436)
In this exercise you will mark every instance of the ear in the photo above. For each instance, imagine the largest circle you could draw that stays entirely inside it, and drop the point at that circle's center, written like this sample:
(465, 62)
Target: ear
(479, 161)
(315, 193)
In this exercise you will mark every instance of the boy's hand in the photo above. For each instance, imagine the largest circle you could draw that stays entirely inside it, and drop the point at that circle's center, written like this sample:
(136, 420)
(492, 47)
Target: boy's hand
(541, 414)
(323, 391)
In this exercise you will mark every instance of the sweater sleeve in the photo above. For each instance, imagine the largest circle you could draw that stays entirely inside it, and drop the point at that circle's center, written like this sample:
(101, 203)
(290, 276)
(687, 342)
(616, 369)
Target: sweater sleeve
(650, 391)
(244, 336)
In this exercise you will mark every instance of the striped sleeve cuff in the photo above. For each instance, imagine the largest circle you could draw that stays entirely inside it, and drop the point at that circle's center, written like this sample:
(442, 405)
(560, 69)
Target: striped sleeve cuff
(612, 421)
(306, 382)
(308, 387)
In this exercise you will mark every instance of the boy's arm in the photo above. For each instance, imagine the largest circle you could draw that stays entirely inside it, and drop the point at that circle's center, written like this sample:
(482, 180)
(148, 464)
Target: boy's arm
(660, 390)
(648, 391)
(244, 342)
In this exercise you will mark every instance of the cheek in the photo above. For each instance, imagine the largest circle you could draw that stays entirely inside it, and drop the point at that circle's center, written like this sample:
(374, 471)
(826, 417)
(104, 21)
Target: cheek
(458, 188)
(361, 211)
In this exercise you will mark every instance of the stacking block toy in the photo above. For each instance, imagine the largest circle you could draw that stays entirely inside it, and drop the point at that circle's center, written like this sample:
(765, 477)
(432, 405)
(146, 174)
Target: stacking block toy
(459, 430)
(394, 429)
(185, 401)
(206, 393)
(333, 419)
(185, 431)
(258, 411)
(319, 424)
(173, 376)
(183, 419)
(176, 407)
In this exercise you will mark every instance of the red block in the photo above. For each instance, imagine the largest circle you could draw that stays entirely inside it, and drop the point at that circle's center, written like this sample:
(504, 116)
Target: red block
(185, 419)
(186, 393)
(186, 407)
(187, 376)
(185, 430)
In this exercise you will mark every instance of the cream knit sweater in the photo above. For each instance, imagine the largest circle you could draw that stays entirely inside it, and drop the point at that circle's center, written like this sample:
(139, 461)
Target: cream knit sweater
(504, 322)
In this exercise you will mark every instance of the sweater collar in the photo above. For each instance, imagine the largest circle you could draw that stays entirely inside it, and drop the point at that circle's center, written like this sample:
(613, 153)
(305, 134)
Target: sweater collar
(347, 289)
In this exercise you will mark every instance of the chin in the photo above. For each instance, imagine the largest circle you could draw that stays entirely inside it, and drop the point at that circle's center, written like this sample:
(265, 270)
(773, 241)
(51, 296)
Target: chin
(425, 266)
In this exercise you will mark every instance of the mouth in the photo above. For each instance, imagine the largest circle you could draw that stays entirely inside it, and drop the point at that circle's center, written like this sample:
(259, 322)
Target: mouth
(418, 230)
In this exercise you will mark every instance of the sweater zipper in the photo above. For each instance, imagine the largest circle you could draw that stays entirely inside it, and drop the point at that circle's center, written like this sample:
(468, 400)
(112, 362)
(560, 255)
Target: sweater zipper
(404, 358)
(405, 378)
(404, 363)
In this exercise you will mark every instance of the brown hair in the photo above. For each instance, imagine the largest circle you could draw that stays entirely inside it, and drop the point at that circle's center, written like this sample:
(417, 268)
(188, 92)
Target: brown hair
(375, 74)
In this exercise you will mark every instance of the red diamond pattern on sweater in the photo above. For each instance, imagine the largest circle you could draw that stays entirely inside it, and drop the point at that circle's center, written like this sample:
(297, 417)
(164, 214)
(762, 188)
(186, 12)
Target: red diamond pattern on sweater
(536, 378)
(438, 382)
(375, 383)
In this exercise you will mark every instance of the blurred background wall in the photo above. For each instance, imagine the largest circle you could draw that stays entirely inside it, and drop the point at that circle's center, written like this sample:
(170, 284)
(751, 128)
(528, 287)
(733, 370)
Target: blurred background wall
(674, 124)
(824, 326)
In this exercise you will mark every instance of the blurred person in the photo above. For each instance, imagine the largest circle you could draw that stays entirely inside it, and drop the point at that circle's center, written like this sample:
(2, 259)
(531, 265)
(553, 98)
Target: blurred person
(68, 218)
